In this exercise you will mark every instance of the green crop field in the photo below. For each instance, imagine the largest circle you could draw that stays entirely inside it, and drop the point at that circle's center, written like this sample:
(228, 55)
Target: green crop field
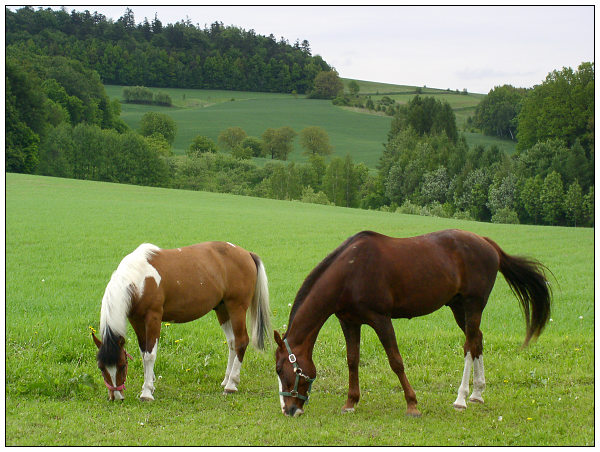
(64, 238)
(360, 134)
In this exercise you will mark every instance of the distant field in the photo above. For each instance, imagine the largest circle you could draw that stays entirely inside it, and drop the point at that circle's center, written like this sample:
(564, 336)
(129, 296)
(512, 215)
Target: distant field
(208, 112)
(64, 238)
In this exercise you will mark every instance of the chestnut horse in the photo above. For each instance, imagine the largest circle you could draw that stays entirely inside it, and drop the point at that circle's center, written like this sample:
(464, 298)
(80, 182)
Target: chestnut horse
(152, 285)
(371, 278)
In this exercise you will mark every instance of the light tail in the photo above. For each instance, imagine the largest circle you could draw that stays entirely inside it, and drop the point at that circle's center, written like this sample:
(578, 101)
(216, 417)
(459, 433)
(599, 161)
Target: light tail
(260, 316)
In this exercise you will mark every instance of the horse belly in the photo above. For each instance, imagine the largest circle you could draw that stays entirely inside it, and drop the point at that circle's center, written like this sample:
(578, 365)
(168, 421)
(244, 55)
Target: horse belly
(184, 304)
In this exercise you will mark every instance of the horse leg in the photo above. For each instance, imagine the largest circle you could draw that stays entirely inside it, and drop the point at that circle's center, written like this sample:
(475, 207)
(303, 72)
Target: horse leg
(237, 316)
(225, 323)
(385, 331)
(469, 321)
(352, 335)
(149, 352)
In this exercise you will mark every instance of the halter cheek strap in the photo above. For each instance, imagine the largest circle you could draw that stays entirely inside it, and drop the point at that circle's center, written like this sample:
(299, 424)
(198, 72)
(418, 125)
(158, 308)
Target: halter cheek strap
(120, 387)
(298, 372)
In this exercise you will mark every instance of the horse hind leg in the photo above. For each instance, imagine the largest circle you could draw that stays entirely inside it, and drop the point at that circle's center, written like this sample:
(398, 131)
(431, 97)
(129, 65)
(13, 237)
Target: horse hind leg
(469, 321)
(225, 323)
(237, 316)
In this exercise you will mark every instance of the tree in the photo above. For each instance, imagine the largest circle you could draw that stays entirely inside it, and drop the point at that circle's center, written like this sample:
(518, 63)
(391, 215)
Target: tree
(435, 186)
(255, 146)
(530, 197)
(327, 85)
(315, 140)
(561, 107)
(497, 113)
(201, 144)
(426, 116)
(231, 137)
(153, 122)
(502, 194)
(574, 204)
(588, 207)
(353, 87)
(278, 142)
(552, 198)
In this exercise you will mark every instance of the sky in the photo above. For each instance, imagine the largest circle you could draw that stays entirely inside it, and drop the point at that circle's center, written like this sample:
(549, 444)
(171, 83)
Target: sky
(457, 47)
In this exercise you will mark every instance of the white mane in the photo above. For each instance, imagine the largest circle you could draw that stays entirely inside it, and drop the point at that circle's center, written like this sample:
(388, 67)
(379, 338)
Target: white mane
(126, 280)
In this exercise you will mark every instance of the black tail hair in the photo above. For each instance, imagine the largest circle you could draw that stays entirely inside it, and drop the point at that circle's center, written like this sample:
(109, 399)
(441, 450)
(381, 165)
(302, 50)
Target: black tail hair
(527, 280)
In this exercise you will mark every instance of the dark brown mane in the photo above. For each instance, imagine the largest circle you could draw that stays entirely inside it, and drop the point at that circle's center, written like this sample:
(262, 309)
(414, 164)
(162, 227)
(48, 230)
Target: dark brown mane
(318, 271)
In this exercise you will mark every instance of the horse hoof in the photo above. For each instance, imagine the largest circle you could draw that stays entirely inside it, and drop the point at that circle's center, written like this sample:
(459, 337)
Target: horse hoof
(413, 413)
(147, 399)
(347, 410)
(476, 400)
(458, 407)
(229, 391)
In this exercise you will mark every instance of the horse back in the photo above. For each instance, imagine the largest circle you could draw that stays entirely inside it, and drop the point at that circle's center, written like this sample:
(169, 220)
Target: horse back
(196, 278)
(410, 277)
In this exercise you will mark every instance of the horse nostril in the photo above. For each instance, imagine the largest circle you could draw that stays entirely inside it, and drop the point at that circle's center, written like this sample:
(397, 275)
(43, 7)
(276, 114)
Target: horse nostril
(292, 410)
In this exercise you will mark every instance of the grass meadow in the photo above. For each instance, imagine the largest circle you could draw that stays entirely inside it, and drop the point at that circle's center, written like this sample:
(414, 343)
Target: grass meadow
(64, 238)
(360, 134)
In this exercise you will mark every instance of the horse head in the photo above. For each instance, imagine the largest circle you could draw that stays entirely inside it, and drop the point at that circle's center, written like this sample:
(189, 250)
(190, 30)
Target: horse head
(294, 381)
(112, 361)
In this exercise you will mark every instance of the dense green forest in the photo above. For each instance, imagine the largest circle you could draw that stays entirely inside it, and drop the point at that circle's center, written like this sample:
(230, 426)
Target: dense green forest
(60, 122)
(179, 55)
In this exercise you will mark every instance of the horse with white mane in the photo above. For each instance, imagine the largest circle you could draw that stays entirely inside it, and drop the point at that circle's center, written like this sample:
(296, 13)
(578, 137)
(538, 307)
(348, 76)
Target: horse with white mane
(152, 285)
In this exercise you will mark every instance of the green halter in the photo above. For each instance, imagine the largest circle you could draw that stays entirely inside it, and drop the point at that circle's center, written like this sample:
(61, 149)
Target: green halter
(298, 372)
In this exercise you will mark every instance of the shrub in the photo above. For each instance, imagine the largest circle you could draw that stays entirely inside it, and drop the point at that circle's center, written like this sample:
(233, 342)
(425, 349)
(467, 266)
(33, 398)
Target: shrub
(505, 215)
(309, 195)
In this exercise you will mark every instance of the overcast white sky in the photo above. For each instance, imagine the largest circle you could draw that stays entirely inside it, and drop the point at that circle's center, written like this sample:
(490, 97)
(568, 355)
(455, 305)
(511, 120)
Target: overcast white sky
(456, 47)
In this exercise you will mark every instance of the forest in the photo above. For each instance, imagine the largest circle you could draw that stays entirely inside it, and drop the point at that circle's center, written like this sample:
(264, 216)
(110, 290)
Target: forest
(60, 122)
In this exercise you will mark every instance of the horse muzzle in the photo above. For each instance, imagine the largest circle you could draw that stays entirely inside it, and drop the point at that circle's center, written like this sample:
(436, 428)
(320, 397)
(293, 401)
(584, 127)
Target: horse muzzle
(294, 411)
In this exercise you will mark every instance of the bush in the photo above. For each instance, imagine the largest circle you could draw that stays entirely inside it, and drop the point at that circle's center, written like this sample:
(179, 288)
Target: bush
(200, 145)
(505, 215)
(462, 215)
(309, 195)
(409, 208)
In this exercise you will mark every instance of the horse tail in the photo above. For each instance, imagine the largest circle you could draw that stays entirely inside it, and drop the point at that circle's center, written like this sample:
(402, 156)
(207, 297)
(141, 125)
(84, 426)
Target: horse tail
(527, 280)
(259, 308)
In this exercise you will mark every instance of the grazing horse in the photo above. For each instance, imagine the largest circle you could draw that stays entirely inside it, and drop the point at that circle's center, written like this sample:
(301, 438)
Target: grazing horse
(371, 278)
(152, 285)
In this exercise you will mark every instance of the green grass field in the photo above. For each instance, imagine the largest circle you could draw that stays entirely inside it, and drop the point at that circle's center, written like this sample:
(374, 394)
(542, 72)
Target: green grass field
(64, 238)
(360, 134)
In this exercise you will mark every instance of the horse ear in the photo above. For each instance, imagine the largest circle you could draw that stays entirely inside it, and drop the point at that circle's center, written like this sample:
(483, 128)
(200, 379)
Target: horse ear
(278, 338)
(96, 341)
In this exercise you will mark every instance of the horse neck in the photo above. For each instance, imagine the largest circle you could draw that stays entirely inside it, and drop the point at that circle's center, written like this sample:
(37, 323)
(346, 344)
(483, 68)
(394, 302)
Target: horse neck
(306, 325)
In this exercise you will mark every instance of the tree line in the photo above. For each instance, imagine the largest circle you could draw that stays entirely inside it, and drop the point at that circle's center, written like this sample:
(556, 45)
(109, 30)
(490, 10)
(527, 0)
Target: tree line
(180, 55)
(60, 122)
(562, 106)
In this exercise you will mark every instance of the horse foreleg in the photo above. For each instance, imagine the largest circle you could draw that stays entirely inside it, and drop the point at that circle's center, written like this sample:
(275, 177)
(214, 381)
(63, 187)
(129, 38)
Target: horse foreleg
(149, 356)
(352, 335)
(385, 331)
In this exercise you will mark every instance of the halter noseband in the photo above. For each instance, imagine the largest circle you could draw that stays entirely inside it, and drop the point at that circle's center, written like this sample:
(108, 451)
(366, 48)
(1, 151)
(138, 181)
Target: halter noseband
(122, 386)
(298, 372)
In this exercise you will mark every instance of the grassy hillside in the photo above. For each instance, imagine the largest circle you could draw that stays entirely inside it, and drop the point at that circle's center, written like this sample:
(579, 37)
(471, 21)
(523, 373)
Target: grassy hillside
(360, 134)
(64, 238)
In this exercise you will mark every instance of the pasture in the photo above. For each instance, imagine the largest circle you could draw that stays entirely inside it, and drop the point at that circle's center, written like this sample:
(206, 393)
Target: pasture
(64, 238)
(360, 134)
